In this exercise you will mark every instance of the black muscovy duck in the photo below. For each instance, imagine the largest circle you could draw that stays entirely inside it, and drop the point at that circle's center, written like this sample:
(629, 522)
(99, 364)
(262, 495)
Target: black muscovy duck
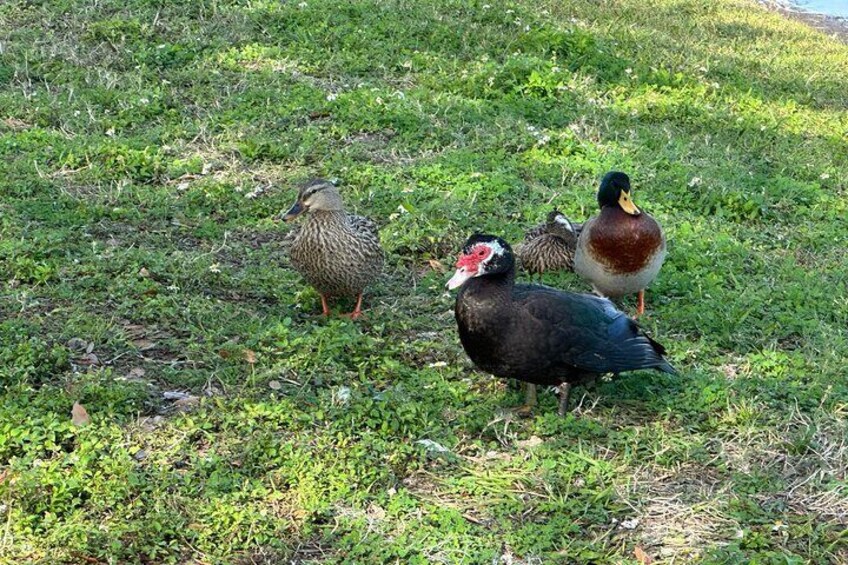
(538, 334)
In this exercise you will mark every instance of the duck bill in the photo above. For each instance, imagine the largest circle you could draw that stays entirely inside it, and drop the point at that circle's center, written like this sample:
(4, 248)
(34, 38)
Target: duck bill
(627, 205)
(459, 277)
(296, 210)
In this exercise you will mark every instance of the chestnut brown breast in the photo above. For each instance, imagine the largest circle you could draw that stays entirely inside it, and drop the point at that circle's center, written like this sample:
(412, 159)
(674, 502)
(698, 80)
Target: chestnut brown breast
(624, 243)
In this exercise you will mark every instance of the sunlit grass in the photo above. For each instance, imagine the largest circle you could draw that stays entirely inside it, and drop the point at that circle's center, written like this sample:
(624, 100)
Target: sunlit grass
(145, 148)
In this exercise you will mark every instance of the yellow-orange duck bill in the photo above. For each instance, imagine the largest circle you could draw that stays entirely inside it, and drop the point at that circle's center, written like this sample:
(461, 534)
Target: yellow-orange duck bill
(627, 204)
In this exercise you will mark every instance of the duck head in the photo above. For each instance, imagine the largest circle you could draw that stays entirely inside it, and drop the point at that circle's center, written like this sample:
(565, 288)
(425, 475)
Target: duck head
(615, 192)
(317, 194)
(559, 224)
(482, 255)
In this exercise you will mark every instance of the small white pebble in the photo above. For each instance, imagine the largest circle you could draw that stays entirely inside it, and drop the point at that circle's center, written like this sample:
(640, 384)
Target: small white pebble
(630, 524)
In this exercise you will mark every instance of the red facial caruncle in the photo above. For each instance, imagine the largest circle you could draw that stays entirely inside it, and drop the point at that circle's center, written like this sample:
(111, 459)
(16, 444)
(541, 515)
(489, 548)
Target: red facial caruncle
(469, 265)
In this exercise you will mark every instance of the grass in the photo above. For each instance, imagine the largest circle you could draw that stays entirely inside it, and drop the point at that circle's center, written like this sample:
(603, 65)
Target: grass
(145, 147)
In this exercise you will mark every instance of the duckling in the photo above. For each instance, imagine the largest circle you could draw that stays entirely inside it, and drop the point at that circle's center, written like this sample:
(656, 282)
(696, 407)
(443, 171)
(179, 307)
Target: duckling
(621, 250)
(550, 246)
(339, 254)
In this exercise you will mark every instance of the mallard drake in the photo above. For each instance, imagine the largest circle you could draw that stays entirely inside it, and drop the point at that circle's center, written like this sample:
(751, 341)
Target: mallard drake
(620, 251)
(337, 253)
(539, 334)
(550, 246)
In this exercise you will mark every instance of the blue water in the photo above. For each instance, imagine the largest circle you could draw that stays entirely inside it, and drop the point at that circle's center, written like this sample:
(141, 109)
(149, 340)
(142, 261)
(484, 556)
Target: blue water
(830, 7)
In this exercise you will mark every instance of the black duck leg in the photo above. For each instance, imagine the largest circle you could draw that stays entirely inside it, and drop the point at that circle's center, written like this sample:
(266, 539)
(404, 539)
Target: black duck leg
(564, 390)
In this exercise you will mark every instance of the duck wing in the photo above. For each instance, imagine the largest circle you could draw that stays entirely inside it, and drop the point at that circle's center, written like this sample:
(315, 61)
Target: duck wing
(364, 226)
(535, 232)
(369, 251)
(589, 333)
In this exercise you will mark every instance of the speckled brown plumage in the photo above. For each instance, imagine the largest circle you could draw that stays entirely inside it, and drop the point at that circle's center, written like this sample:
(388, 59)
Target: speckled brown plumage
(337, 253)
(550, 246)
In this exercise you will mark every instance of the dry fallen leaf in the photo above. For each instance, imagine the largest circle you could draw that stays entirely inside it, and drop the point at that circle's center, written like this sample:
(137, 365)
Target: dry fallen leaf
(136, 373)
(437, 266)
(134, 330)
(250, 356)
(531, 442)
(188, 401)
(79, 415)
(89, 359)
(15, 124)
(143, 344)
(143, 272)
(641, 556)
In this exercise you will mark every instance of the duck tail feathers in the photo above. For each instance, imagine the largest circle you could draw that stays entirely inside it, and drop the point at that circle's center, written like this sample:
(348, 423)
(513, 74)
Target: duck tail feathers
(666, 367)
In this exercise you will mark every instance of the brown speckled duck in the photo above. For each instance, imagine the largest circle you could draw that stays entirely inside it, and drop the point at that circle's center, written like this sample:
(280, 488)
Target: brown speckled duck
(621, 250)
(337, 253)
(550, 246)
